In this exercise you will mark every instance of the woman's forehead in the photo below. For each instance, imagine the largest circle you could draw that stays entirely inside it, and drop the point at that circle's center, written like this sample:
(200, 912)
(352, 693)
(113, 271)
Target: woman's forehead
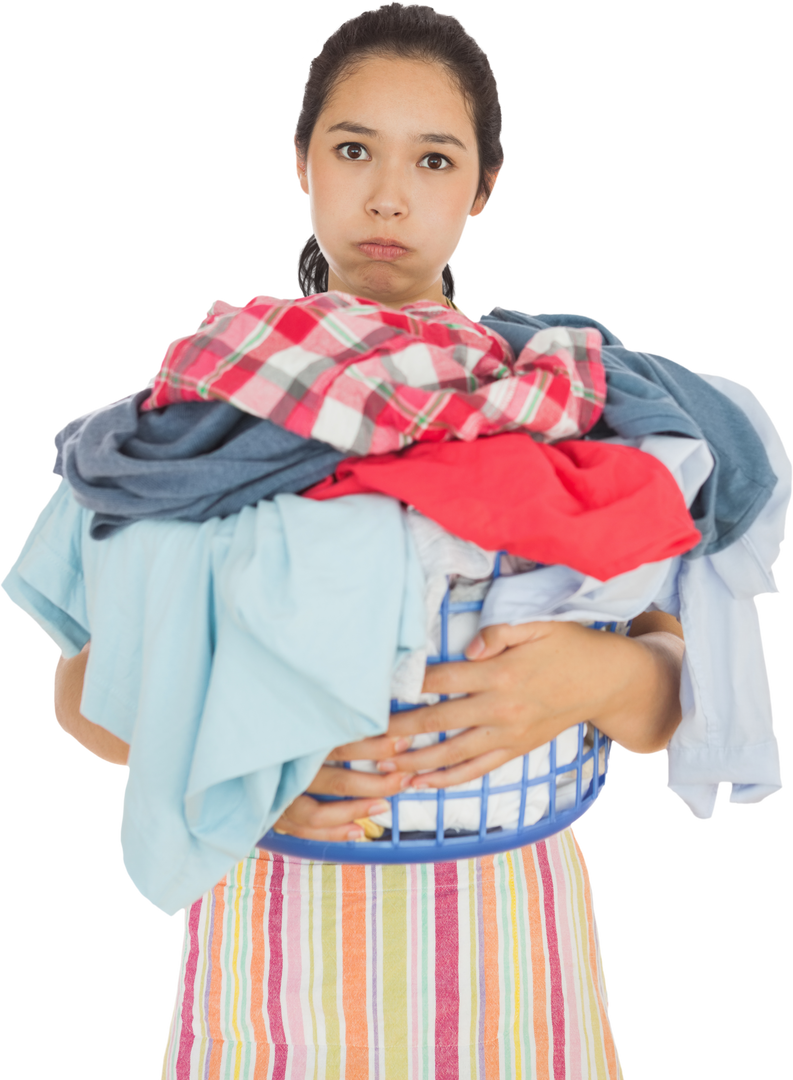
(399, 92)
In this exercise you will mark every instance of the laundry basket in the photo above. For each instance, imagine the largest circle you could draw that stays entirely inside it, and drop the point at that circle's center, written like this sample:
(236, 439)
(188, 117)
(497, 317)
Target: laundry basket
(567, 789)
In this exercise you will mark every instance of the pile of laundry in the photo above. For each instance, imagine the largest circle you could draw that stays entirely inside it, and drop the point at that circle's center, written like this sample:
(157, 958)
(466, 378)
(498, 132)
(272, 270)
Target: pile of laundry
(255, 546)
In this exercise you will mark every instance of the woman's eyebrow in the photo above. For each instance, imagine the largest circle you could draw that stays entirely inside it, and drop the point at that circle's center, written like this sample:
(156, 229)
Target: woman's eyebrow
(370, 133)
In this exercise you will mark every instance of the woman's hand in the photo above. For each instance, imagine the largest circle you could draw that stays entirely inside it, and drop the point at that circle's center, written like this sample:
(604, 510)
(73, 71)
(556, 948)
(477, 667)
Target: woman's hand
(364, 793)
(529, 683)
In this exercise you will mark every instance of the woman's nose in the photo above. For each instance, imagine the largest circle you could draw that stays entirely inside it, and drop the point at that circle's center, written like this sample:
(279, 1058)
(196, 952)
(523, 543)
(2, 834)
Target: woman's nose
(389, 198)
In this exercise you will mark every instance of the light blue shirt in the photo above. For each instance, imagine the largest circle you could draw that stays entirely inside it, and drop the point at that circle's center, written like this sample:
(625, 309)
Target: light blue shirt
(231, 655)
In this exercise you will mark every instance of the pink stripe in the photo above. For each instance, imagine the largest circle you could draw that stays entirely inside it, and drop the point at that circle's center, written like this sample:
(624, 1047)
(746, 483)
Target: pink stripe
(280, 1049)
(557, 995)
(447, 959)
(186, 1036)
(480, 929)
(568, 962)
(294, 968)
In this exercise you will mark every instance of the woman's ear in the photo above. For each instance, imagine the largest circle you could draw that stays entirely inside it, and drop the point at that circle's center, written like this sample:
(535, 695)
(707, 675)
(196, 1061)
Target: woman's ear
(298, 171)
(481, 202)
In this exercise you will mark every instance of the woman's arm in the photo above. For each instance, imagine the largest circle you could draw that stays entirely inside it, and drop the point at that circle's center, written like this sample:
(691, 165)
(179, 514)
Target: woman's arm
(663, 635)
(69, 676)
(642, 724)
(532, 682)
(651, 622)
(646, 717)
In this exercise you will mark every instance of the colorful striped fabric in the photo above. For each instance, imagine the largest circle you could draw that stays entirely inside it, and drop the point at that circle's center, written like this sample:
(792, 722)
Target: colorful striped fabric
(484, 968)
(369, 380)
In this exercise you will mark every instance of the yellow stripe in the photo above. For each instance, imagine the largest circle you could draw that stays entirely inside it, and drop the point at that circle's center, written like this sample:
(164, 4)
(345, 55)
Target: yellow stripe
(310, 869)
(331, 897)
(394, 894)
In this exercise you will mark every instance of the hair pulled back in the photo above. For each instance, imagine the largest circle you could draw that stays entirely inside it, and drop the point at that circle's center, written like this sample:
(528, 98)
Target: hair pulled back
(412, 32)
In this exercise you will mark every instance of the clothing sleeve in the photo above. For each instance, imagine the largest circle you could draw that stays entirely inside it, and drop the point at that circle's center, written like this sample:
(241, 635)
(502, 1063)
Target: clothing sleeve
(728, 733)
(47, 581)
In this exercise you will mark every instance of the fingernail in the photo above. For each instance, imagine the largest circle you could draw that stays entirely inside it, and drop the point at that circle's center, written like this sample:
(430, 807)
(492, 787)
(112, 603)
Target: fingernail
(401, 745)
(420, 785)
(386, 766)
(379, 807)
(405, 781)
(354, 834)
(476, 648)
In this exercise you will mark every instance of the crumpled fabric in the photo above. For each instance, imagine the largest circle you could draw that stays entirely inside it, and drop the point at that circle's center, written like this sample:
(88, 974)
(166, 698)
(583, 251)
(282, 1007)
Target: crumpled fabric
(191, 461)
(232, 656)
(649, 395)
(597, 508)
(726, 731)
(522, 594)
(369, 380)
(199, 459)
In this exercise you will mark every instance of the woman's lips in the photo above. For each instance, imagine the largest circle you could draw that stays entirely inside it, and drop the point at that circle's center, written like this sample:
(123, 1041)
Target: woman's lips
(382, 249)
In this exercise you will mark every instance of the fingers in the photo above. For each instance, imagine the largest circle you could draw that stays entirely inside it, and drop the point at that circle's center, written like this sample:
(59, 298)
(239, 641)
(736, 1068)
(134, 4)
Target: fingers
(462, 676)
(333, 821)
(372, 749)
(462, 747)
(461, 774)
(492, 640)
(350, 783)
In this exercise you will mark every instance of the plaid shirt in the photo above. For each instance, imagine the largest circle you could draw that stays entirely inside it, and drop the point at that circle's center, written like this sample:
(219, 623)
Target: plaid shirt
(369, 380)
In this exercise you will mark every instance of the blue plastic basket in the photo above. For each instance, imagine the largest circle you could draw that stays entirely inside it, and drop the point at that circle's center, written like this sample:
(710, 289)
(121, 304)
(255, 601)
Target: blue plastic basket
(445, 845)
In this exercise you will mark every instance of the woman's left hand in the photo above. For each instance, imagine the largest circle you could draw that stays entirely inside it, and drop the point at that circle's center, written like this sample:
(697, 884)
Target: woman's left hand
(531, 682)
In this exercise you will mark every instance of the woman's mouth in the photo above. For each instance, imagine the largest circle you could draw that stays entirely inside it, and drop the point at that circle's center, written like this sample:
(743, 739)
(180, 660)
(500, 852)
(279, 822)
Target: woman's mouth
(382, 249)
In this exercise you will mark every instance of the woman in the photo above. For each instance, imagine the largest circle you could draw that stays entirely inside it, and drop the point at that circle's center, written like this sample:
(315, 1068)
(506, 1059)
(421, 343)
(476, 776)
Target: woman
(485, 966)
(398, 140)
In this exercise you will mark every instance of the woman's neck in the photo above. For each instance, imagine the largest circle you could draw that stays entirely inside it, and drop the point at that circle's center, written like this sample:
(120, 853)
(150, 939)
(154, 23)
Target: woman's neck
(434, 293)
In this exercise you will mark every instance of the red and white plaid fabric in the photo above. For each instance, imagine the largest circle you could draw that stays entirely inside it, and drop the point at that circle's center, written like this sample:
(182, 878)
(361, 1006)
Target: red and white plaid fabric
(369, 380)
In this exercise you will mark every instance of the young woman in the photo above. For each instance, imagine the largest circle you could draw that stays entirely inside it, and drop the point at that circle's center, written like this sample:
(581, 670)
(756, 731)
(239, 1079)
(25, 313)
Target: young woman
(479, 968)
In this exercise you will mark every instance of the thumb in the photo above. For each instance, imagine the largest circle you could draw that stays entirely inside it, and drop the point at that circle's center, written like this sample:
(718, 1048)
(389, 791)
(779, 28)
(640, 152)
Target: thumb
(492, 640)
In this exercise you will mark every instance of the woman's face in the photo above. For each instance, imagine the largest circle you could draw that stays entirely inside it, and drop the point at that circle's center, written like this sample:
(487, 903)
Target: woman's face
(392, 173)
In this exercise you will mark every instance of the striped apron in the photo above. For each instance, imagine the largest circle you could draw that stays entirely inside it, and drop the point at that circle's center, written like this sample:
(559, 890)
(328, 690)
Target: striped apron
(483, 968)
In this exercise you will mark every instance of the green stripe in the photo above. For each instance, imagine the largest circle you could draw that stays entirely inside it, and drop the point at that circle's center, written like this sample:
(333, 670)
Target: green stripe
(392, 920)
(331, 898)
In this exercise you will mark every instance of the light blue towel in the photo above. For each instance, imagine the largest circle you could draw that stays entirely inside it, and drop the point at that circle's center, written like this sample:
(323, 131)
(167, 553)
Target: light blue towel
(232, 655)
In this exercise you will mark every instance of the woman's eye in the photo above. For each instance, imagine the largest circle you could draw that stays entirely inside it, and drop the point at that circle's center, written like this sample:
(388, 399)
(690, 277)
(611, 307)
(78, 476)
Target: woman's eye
(435, 161)
(353, 151)
(432, 153)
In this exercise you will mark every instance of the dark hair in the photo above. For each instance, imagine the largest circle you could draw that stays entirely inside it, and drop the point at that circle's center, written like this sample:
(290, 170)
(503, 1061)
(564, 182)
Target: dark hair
(414, 32)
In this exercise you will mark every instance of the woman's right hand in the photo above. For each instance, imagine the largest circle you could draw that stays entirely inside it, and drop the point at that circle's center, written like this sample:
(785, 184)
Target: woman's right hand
(363, 793)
